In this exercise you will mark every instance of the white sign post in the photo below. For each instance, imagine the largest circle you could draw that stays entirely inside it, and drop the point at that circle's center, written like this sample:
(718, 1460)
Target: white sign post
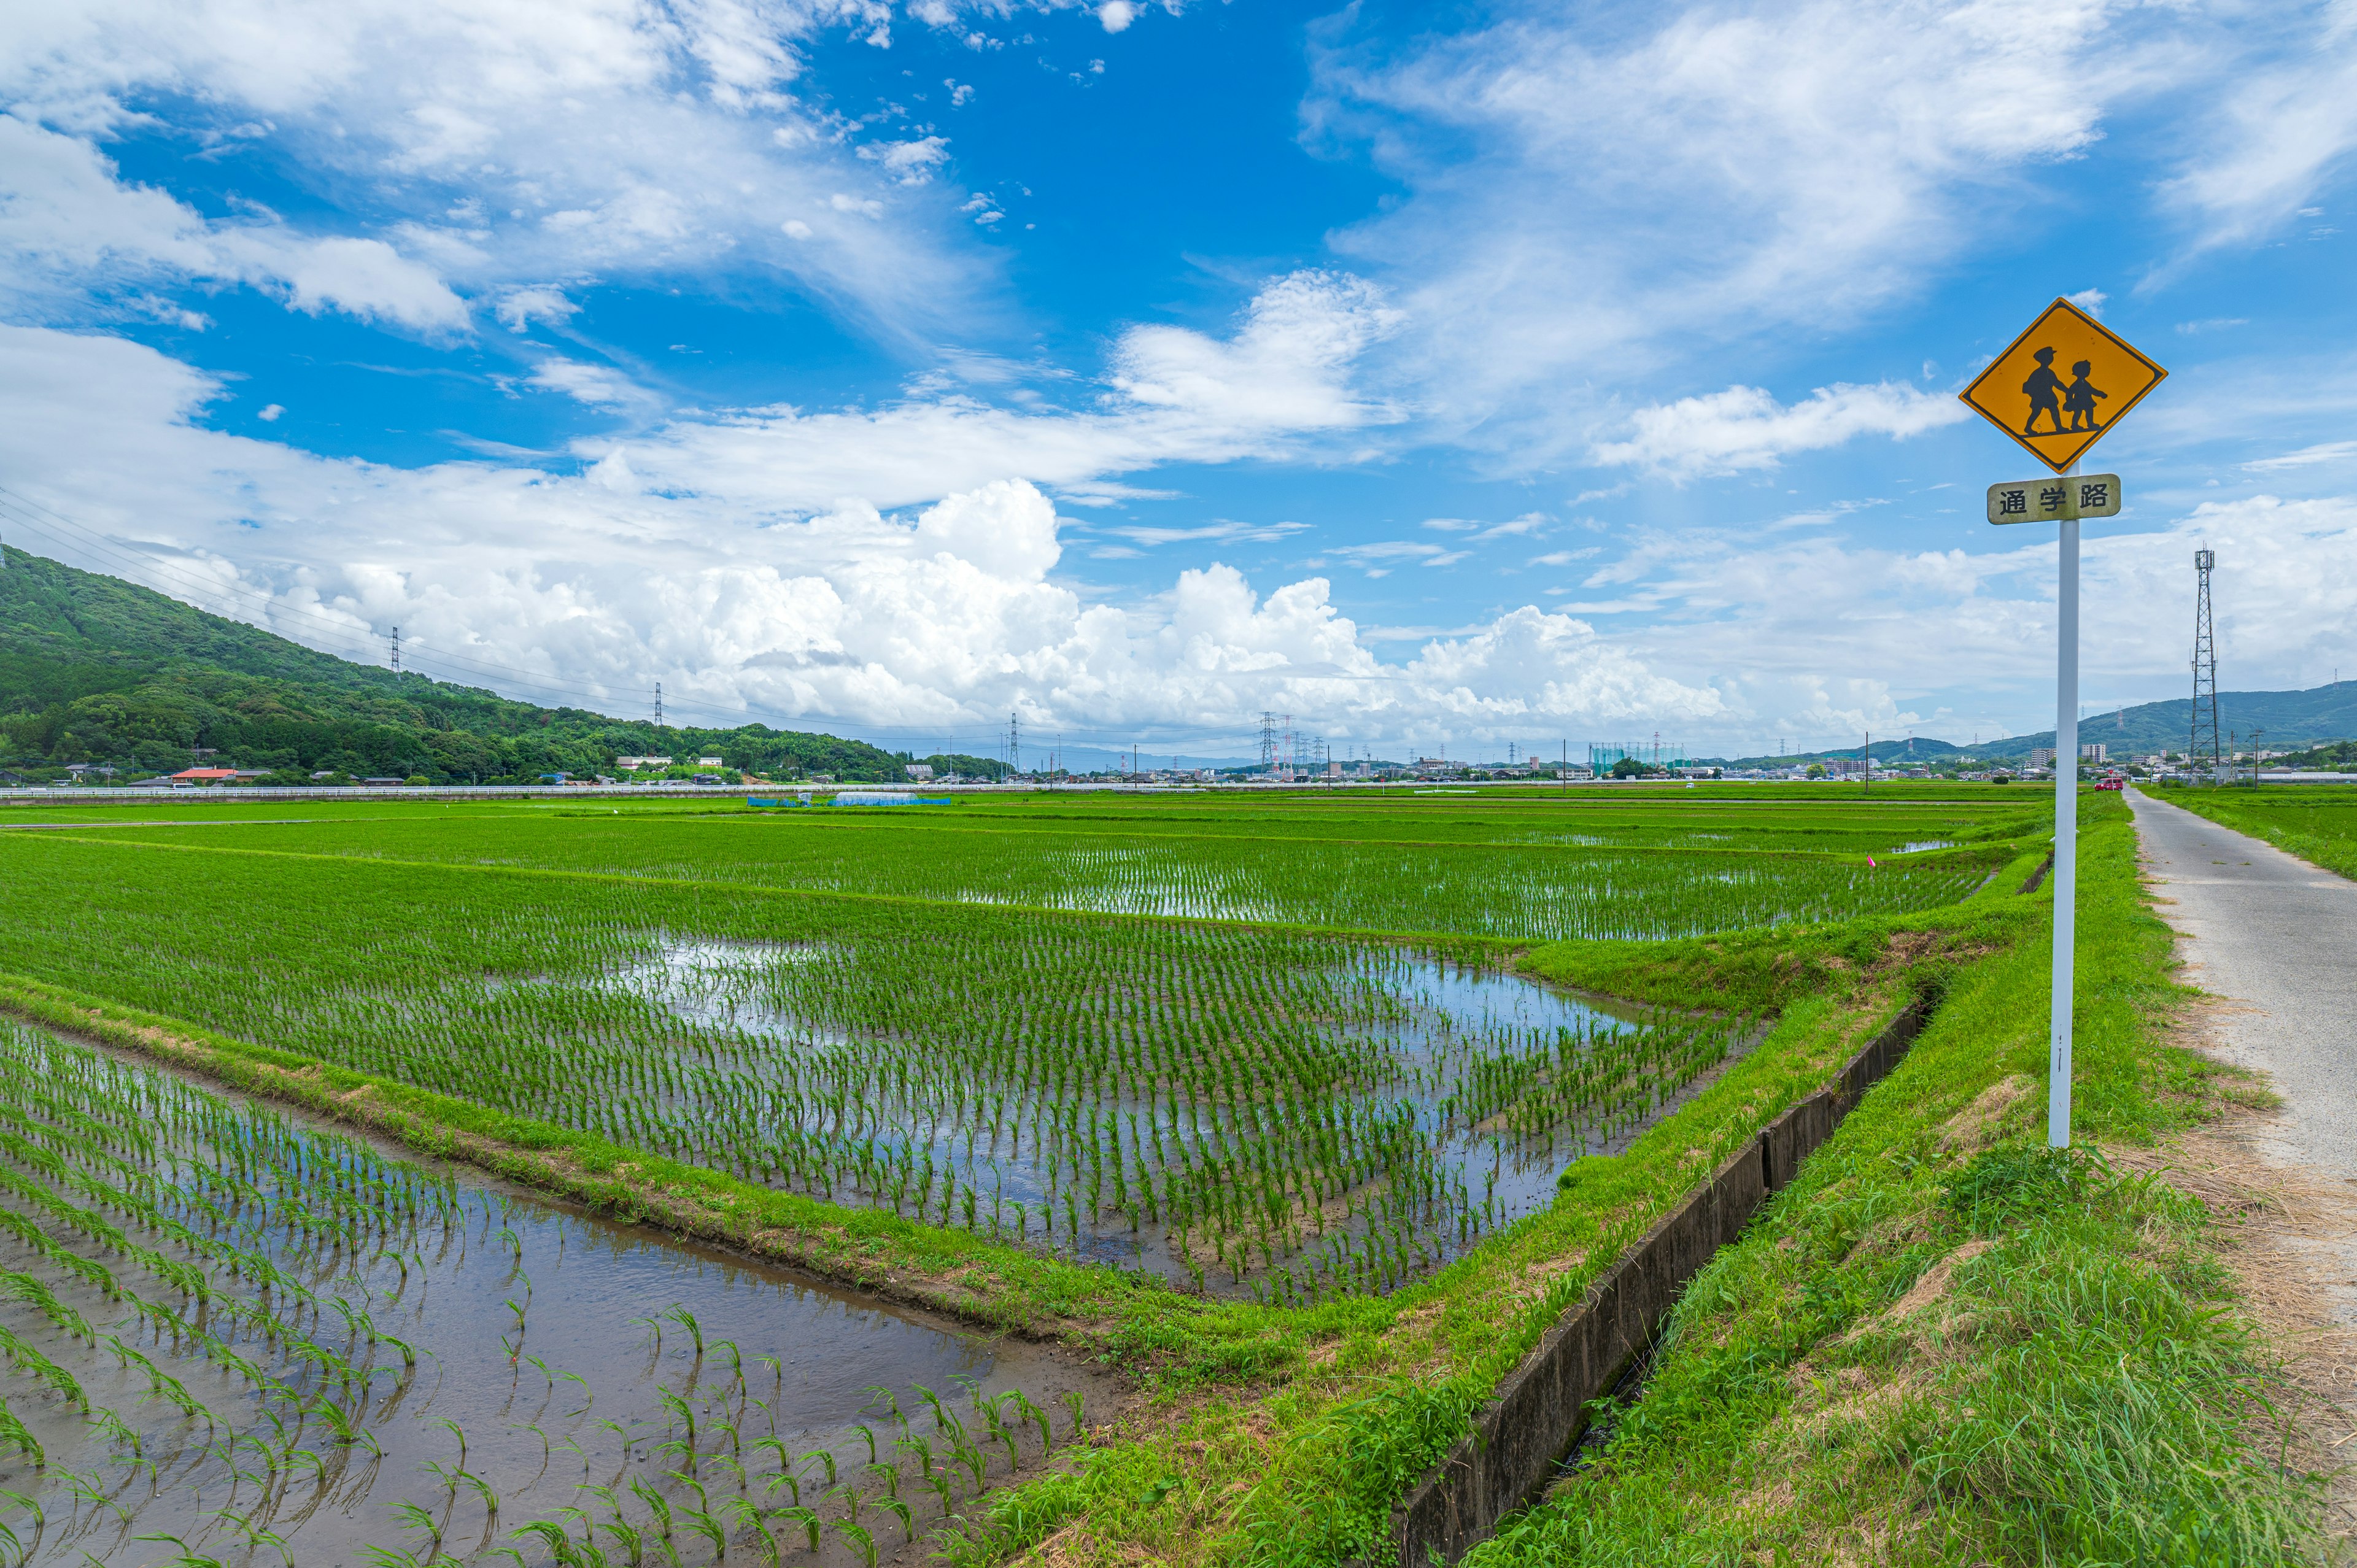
(2066, 833)
(2066, 363)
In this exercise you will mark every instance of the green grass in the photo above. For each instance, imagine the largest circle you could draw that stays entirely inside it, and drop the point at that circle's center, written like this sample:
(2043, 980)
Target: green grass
(2317, 823)
(2084, 1391)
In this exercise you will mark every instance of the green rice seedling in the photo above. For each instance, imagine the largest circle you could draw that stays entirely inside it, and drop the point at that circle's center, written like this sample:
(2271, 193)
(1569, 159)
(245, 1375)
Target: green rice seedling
(17, 1438)
(861, 1540)
(805, 1519)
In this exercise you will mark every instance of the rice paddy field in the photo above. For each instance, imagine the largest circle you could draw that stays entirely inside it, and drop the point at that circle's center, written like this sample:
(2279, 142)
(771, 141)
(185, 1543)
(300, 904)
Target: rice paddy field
(1270, 1052)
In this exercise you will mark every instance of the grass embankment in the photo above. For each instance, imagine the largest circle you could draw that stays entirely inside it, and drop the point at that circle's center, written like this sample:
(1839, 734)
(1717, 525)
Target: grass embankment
(2319, 824)
(1945, 1343)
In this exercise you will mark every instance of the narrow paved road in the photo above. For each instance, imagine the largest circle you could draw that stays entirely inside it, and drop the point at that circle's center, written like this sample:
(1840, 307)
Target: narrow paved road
(2278, 937)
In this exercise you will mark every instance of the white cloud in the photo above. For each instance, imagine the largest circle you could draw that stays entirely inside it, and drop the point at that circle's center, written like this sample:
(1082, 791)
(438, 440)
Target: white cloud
(68, 223)
(519, 308)
(1277, 369)
(604, 582)
(1384, 556)
(600, 585)
(1116, 14)
(486, 149)
(912, 162)
(1280, 385)
(599, 386)
(270, 415)
(1587, 203)
(1745, 427)
(2274, 131)
(2307, 457)
(2090, 300)
(1222, 532)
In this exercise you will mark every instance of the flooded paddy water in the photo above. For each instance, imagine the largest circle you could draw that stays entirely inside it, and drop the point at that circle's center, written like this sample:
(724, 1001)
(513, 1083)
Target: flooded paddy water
(237, 1335)
(1381, 1119)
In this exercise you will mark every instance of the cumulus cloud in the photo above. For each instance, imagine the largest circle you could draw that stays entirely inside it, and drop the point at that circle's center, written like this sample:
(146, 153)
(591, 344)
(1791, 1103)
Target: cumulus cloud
(951, 612)
(1745, 427)
(598, 584)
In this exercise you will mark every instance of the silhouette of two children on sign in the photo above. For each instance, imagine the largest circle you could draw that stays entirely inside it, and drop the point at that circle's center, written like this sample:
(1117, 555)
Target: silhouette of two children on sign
(2079, 397)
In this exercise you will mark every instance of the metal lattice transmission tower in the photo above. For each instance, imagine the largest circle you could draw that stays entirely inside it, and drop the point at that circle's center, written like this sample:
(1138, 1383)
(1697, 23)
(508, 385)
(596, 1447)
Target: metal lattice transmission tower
(1014, 743)
(1267, 740)
(659, 724)
(395, 650)
(2203, 742)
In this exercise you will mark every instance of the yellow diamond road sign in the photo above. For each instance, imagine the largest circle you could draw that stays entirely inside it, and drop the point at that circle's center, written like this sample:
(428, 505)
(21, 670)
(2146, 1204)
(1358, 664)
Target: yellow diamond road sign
(2062, 385)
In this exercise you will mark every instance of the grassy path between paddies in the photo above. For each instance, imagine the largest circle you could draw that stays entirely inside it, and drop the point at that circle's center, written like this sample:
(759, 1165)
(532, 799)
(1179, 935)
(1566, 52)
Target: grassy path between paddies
(1945, 1343)
(2319, 824)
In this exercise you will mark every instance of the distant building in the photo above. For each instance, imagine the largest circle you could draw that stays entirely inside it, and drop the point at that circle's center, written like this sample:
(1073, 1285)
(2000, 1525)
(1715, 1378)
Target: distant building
(919, 770)
(204, 775)
(2093, 754)
(627, 763)
(709, 762)
(2041, 756)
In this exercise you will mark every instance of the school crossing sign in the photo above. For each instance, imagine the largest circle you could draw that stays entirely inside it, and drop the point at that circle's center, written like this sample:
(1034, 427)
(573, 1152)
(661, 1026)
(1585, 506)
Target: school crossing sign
(2062, 385)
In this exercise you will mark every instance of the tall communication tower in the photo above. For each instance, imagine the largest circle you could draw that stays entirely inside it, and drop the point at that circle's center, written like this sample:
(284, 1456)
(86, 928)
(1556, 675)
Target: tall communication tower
(2204, 743)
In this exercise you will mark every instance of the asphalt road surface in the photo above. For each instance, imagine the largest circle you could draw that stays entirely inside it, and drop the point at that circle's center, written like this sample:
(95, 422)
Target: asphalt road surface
(2277, 938)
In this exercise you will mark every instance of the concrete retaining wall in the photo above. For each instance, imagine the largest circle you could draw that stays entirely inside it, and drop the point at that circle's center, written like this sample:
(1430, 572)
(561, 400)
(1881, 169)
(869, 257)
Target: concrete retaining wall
(1521, 1435)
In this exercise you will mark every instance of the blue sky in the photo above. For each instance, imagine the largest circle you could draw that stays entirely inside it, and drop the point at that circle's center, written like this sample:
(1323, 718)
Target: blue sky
(1441, 377)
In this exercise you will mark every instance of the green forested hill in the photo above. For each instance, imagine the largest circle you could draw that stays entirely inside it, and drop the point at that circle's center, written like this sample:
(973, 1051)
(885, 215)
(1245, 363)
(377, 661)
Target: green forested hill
(2290, 720)
(96, 670)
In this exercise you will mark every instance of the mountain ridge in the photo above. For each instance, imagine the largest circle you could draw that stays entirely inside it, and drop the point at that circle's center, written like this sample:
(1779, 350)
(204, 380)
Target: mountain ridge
(99, 670)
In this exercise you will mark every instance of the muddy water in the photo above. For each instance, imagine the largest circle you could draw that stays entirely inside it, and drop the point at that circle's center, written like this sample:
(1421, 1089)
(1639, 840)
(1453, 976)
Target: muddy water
(557, 1366)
